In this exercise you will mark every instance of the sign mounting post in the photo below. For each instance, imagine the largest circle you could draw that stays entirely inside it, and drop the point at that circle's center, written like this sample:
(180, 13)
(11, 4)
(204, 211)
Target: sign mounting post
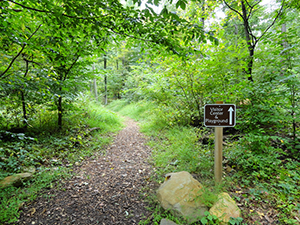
(219, 115)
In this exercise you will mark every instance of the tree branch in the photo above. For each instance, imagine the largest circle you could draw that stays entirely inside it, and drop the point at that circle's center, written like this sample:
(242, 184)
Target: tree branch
(232, 9)
(248, 3)
(252, 6)
(14, 59)
(31, 61)
(68, 71)
(44, 11)
(26, 7)
(277, 16)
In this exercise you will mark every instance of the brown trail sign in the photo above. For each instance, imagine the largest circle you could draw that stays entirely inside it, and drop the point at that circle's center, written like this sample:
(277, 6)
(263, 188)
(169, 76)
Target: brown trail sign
(219, 115)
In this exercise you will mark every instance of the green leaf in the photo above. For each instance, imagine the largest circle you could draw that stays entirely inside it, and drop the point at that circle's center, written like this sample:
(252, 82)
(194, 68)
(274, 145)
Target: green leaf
(204, 220)
(182, 5)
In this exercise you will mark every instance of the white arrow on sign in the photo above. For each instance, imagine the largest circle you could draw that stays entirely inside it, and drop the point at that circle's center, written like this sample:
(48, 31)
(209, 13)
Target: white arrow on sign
(230, 110)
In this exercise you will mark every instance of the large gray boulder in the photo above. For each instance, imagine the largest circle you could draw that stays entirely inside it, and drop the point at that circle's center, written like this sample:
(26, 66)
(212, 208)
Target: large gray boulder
(180, 193)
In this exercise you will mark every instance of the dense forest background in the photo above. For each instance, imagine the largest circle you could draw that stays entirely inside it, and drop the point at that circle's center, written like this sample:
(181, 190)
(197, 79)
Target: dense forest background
(166, 58)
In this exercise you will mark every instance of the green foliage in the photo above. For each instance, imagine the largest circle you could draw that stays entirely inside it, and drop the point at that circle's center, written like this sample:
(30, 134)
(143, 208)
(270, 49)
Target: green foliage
(209, 219)
(236, 221)
(46, 58)
(13, 198)
(257, 159)
(255, 155)
(158, 214)
(86, 130)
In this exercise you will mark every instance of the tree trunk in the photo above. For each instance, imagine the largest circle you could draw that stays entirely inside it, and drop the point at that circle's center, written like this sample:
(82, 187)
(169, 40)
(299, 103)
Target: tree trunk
(283, 31)
(60, 110)
(236, 32)
(92, 82)
(24, 108)
(95, 89)
(91, 88)
(105, 79)
(251, 46)
(203, 14)
(284, 45)
(23, 97)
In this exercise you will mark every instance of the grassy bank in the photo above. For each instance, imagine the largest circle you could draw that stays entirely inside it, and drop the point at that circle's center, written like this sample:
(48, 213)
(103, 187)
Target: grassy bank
(88, 127)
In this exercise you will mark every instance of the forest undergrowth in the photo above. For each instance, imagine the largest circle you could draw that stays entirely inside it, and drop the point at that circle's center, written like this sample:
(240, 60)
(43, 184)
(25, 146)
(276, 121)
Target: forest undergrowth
(257, 170)
(50, 152)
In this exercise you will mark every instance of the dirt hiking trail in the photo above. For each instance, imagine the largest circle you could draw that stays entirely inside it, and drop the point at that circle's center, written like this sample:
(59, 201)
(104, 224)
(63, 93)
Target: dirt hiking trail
(106, 190)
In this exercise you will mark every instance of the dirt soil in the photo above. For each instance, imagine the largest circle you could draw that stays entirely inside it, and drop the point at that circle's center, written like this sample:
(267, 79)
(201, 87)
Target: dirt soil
(106, 190)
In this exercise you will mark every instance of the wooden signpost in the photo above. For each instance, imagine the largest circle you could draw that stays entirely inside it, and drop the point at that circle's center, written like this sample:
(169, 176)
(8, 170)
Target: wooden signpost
(219, 115)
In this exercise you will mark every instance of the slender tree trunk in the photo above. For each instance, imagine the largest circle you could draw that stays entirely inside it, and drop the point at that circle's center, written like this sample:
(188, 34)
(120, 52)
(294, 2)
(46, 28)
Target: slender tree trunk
(24, 108)
(60, 110)
(284, 45)
(203, 14)
(123, 63)
(23, 97)
(92, 82)
(117, 65)
(293, 103)
(62, 78)
(91, 88)
(251, 46)
(59, 103)
(95, 89)
(283, 31)
(291, 86)
(250, 63)
(105, 79)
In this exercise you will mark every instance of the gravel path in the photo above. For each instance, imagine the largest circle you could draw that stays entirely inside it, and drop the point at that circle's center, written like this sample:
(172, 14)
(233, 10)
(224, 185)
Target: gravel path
(107, 190)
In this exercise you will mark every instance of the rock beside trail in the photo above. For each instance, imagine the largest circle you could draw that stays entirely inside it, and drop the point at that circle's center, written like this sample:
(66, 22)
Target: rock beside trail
(167, 222)
(179, 193)
(15, 180)
(225, 208)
